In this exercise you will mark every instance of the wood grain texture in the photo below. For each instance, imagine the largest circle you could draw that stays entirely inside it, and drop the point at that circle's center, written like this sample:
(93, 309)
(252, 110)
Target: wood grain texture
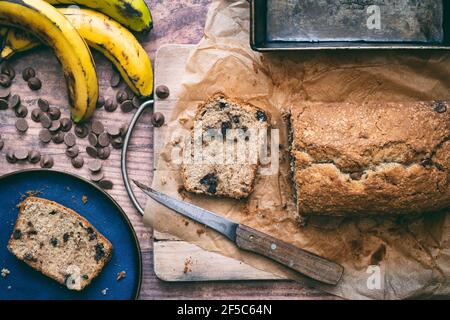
(180, 21)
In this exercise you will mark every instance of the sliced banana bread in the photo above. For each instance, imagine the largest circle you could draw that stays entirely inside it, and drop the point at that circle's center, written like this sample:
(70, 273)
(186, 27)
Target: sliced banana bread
(59, 243)
(231, 134)
(373, 158)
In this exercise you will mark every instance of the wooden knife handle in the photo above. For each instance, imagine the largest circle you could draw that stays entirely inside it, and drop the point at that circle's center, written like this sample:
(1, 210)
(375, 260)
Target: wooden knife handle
(302, 261)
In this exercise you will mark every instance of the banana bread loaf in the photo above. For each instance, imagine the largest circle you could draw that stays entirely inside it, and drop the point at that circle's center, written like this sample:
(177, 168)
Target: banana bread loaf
(59, 243)
(373, 158)
(222, 123)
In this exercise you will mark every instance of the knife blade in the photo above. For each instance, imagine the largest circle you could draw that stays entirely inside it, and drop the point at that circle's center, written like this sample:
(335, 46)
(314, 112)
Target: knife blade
(246, 238)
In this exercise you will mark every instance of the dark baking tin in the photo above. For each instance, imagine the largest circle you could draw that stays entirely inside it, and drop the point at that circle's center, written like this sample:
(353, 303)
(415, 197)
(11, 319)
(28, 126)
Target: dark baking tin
(259, 35)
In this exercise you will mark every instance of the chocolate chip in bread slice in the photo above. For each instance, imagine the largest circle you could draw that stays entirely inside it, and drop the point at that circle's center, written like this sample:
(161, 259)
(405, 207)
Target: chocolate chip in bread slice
(58, 242)
(232, 135)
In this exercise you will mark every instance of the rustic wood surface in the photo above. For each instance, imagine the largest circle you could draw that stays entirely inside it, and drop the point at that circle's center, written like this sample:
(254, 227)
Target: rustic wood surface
(178, 21)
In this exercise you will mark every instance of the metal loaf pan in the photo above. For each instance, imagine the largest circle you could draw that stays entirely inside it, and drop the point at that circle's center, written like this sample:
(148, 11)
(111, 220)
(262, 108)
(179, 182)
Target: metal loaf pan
(289, 25)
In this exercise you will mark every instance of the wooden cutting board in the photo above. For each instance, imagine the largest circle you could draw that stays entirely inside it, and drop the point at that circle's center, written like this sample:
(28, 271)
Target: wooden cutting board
(174, 259)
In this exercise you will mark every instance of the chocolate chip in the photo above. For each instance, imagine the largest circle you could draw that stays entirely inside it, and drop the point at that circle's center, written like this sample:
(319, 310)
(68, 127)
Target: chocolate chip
(69, 139)
(29, 257)
(136, 102)
(54, 113)
(14, 101)
(45, 136)
(115, 80)
(47, 162)
(106, 184)
(10, 157)
(96, 176)
(5, 81)
(100, 102)
(162, 92)
(45, 120)
(22, 125)
(58, 137)
(81, 130)
(123, 130)
(36, 114)
(104, 153)
(91, 151)
(95, 165)
(210, 180)
(261, 116)
(5, 93)
(97, 127)
(110, 105)
(222, 105)
(66, 237)
(113, 131)
(72, 152)
(236, 119)
(28, 73)
(54, 242)
(34, 156)
(157, 119)
(440, 106)
(103, 140)
(426, 163)
(99, 251)
(43, 105)
(21, 155)
(356, 175)
(77, 162)
(56, 125)
(127, 106)
(17, 234)
(8, 70)
(93, 140)
(121, 96)
(117, 142)
(66, 124)
(21, 112)
(34, 83)
(224, 127)
(3, 104)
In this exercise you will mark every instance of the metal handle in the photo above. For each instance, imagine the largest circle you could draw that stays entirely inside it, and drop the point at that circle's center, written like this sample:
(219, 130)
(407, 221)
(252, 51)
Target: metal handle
(123, 160)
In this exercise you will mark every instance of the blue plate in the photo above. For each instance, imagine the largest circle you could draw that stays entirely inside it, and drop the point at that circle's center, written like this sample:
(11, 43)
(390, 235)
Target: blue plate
(104, 214)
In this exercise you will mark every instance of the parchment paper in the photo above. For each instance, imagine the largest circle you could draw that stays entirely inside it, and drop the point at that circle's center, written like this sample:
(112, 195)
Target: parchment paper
(412, 252)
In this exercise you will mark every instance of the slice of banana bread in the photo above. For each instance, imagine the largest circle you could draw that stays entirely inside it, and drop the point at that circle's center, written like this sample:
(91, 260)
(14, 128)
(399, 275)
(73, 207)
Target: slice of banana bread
(373, 158)
(231, 135)
(59, 243)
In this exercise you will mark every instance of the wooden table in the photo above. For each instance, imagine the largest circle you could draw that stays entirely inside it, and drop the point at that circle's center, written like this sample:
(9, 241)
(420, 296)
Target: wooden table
(179, 21)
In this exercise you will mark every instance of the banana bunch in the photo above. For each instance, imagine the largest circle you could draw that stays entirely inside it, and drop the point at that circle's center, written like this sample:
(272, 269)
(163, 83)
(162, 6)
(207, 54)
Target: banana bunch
(69, 31)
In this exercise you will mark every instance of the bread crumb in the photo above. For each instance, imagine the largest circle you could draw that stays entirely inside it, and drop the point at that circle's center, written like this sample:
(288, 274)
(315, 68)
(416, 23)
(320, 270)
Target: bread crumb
(183, 120)
(163, 181)
(84, 199)
(187, 265)
(200, 232)
(105, 291)
(5, 272)
(121, 275)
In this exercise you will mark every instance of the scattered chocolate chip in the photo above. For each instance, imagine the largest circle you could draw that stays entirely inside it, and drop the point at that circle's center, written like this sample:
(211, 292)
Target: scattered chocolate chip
(210, 180)
(115, 80)
(117, 142)
(66, 237)
(34, 156)
(43, 105)
(29, 257)
(121, 96)
(17, 234)
(106, 184)
(99, 251)
(123, 130)
(5, 81)
(261, 116)
(22, 125)
(110, 105)
(45, 136)
(93, 140)
(8, 70)
(103, 140)
(28, 73)
(21, 155)
(53, 212)
(95, 165)
(54, 113)
(14, 101)
(157, 119)
(78, 162)
(97, 127)
(10, 157)
(21, 111)
(56, 125)
(91, 151)
(81, 130)
(440, 106)
(36, 114)
(162, 92)
(66, 124)
(69, 139)
(222, 105)
(127, 106)
(5, 93)
(224, 127)
(104, 153)
(113, 131)
(45, 120)
(58, 137)
(136, 102)
(72, 152)
(3, 104)
(96, 176)
(356, 175)
(236, 119)
(34, 83)
(100, 102)
(47, 162)
(54, 242)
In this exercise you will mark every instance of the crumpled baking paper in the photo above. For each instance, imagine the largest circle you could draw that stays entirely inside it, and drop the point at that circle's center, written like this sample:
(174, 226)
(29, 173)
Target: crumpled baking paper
(384, 257)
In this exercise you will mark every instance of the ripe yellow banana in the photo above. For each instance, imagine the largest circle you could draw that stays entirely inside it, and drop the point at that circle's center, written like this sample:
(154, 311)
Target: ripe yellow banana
(133, 14)
(103, 34)
(50, 26)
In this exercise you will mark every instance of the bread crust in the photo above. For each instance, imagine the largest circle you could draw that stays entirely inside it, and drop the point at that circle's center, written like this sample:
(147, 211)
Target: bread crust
(372, 158)
(86, 224)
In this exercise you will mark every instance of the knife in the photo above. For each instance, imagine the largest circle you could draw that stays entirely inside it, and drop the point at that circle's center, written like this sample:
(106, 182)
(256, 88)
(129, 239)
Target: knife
(248, 239)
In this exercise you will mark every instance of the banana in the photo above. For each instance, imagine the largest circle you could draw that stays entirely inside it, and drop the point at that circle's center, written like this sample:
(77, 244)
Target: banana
(51, 27)
(105, 35)
(133, 14)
